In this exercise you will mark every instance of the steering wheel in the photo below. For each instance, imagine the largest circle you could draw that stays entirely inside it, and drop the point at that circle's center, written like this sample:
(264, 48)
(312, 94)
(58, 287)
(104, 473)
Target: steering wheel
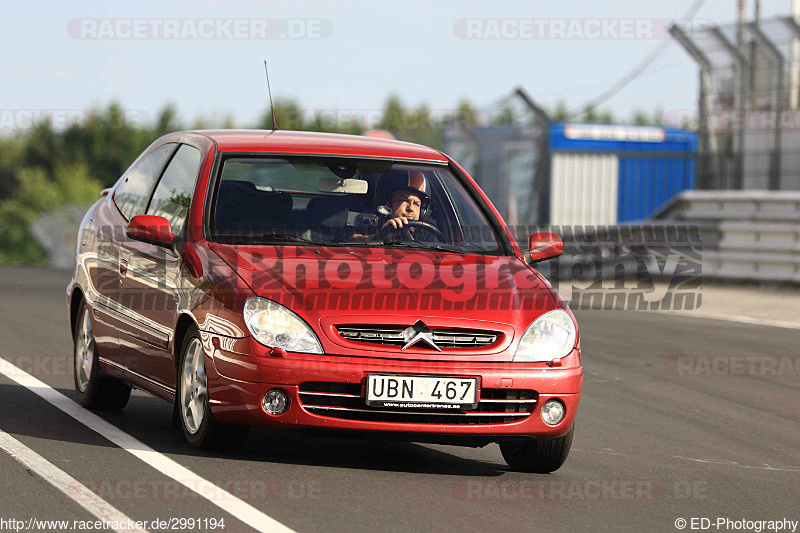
(407, 234)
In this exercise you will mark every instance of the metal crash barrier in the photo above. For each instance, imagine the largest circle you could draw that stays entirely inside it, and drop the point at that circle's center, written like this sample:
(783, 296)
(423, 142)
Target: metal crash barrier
(759, 232)
(726, 235)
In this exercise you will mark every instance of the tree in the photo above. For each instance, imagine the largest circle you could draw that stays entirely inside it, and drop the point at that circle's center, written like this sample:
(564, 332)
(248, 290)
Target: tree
(39, 193)
(421, 127)
(215, 121)
(334, 122)
(640, 117)
(167, 120)
(394, 112)
(562, 112)
(17, 247)
(592, 115)
(417, 126)
(10, 160)
(466, 115)
(42, 147)
(288, 115)
(107, 142)
(658, 116)
(507, 117)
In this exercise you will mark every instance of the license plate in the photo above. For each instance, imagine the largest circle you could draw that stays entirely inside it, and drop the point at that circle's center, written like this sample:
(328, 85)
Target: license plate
(422, 392)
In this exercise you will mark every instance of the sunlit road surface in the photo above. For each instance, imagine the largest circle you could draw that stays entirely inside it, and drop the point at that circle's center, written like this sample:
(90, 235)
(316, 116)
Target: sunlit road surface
(681, 417)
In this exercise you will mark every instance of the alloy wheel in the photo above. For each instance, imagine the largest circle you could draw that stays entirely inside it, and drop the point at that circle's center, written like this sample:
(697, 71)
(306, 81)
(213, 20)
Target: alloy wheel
(84, 352)
(194, 387)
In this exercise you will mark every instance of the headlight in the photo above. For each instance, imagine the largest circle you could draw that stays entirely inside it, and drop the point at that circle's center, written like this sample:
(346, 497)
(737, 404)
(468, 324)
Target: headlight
(273, 325)
(551, 336)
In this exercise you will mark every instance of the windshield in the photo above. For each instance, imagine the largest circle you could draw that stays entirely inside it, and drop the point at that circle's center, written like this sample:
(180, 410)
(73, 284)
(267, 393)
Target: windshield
(330, 202)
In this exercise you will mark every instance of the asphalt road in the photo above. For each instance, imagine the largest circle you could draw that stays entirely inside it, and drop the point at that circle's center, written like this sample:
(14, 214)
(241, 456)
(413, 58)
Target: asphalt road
(652, 444)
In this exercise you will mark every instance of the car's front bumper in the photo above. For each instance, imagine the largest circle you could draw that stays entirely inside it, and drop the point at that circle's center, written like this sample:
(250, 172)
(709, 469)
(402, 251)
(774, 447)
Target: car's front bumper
(237, 383)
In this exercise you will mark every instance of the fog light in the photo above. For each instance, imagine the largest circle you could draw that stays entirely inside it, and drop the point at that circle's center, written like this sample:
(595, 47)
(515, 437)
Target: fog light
(275, 402)
(552, 412)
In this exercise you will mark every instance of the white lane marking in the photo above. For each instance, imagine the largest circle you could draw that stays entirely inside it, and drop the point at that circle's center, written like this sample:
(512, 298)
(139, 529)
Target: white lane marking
(611, 452)
(64, 482)
(737, 465)
(725, 318)
(216, 495)
(721, 462)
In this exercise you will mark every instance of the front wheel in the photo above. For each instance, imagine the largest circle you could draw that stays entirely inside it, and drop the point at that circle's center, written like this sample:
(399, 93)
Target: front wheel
(93, 389)
(537, 455)
(199, 426)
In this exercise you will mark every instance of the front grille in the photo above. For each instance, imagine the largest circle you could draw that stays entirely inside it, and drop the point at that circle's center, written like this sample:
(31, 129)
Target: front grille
(345, 401)
(393, 335)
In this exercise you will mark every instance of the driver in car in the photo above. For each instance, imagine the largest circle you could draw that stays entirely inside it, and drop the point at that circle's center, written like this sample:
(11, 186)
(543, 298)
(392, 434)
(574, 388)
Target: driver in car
(407, 199)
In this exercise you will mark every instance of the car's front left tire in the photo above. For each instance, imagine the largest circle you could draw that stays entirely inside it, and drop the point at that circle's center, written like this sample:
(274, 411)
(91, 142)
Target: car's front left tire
(537, 455)
(93, 389)
(200, 428)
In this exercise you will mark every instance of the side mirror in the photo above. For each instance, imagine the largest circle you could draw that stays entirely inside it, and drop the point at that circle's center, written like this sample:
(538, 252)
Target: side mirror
(544, 246)
(151, 229)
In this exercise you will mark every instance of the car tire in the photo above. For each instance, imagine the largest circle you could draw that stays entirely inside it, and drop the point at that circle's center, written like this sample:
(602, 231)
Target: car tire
(537, 455)
(93, 389)
(192, 400)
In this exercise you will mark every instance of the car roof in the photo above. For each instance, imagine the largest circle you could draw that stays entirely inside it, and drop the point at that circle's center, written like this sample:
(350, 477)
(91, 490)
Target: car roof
(303, 142)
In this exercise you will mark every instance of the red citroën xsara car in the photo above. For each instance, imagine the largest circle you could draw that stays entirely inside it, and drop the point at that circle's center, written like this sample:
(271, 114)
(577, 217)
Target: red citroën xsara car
(282, 279)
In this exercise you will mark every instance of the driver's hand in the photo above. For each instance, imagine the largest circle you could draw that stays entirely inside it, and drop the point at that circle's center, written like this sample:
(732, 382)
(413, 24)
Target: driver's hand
(397, 222)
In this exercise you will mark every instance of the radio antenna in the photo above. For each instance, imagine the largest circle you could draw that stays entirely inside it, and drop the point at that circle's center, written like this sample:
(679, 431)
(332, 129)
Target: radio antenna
(271, 105)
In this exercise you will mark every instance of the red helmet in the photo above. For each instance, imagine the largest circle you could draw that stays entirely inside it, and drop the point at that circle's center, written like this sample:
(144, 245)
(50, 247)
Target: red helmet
(412, 181)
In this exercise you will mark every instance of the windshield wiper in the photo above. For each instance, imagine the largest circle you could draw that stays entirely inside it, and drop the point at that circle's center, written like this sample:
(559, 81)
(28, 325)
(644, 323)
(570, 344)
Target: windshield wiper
(424, 245)
(272, 237)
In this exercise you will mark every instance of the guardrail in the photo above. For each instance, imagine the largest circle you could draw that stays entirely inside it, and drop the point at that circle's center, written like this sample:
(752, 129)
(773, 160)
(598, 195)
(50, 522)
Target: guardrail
(733, 235)
(653, 249)
(719, 206)
(58, 234)
(759, 232)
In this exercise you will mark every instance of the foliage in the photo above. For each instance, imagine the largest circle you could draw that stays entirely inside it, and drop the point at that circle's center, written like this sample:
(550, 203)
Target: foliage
(16, 245)
(589, 114)
(506, 117)
(466, 114)
(167, 120)
(562, 112)
(593, 115)
(290, 116)
(43, 168)
(413, 125)
(642, 118)
(38, 193)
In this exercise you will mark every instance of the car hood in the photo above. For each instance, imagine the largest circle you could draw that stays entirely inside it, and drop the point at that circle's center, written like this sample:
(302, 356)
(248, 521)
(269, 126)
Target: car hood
(335, 287)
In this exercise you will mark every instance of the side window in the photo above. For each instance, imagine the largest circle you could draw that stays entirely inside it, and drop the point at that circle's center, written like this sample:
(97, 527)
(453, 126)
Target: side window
(174, 192)
(474, 223)
(131, 195)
